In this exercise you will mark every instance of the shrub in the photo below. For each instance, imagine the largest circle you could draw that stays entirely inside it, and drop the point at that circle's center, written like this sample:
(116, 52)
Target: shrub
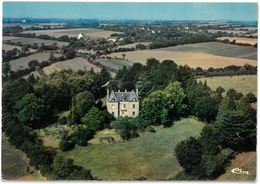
(82, 135)
(66, 144)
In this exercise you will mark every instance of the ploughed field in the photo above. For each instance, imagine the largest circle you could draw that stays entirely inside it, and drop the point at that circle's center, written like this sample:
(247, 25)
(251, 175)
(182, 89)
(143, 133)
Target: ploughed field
(151, 155)
(91, 32)
(241, 83)
(205, 55)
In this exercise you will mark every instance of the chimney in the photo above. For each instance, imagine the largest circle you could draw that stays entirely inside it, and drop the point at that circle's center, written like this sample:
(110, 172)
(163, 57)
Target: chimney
(107, 93)
(136, 91)
(118, 90)
(125, 90)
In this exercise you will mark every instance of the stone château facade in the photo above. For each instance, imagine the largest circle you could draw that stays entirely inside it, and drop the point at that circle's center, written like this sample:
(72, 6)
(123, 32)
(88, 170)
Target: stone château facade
(123, 103)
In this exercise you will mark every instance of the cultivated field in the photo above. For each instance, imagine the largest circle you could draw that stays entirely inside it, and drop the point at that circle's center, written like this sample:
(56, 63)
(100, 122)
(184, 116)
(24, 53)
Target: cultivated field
(251, 41)
(22, 63)
(115, 64)
(218, 49)
(150, 156)
(193, 59)
(242, 83)
(245, 161)
(74, 32)
(75, 64)
(33, 41)
(133, 44)
(9, 47)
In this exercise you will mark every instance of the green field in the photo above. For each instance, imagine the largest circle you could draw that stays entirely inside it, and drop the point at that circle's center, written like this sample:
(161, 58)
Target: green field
(219, 49)
(14, 162)
(242, 83)
(151, 155)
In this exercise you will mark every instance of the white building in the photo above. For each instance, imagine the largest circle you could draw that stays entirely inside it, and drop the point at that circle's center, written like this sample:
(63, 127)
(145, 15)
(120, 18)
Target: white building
(123, 103)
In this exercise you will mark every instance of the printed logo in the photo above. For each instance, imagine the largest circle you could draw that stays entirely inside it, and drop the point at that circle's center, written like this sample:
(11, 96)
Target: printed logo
(239, 171)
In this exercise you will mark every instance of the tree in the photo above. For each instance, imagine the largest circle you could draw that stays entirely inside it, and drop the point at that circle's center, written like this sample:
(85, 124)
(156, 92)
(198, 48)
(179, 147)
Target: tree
(251, 98)
(236, 125)
(33, 63)
(30, 109)
(154, 106)
(63, 169)
(126, 127)
(94, 119)
(188, 153)
(123, 56)
(66, 144)
(105, 76)
(83, 103)
(82, 135)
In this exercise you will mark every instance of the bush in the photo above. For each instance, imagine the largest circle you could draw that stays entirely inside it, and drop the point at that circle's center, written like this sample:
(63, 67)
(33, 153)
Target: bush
(150, 129)
(82, 135)
(189, 154)
(66, 144)
(126, 127)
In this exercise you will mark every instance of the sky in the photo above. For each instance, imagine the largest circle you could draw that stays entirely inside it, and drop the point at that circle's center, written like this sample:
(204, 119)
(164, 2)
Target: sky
(142, 11)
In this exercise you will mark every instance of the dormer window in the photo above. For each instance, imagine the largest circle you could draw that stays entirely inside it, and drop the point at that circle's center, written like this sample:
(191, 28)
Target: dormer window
(134, 99)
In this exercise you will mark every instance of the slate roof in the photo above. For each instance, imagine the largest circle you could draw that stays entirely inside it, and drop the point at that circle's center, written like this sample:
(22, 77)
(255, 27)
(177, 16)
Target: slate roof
(123, 96)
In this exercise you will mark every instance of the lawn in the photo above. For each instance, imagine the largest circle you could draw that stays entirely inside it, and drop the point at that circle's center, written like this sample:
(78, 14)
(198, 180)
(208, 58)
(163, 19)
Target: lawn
(245, 161)
(151, 155)
(242, 83)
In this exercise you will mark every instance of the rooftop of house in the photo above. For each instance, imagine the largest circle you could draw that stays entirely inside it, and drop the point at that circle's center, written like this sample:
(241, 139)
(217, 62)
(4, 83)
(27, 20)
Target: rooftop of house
(120, 96)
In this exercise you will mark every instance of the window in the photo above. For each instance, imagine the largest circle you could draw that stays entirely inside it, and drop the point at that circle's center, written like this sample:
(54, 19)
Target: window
(133, 105)
(133, 113)
(113, 106)
(124, 106)
(122, 112)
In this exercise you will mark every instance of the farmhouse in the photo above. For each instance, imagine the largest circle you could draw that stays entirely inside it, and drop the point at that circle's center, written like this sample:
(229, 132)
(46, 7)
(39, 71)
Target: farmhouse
(123, 103)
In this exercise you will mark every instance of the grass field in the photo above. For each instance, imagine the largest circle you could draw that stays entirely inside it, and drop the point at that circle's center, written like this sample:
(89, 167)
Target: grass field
(22, 63)
(37, 41)
(218, 49)
(251, 41)
(75, 64)
(91, 32)
(242, 83)
(245, 161)
(115, 64)
(15, 163)
(133, 44)
(9, 47)
(151, 155)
